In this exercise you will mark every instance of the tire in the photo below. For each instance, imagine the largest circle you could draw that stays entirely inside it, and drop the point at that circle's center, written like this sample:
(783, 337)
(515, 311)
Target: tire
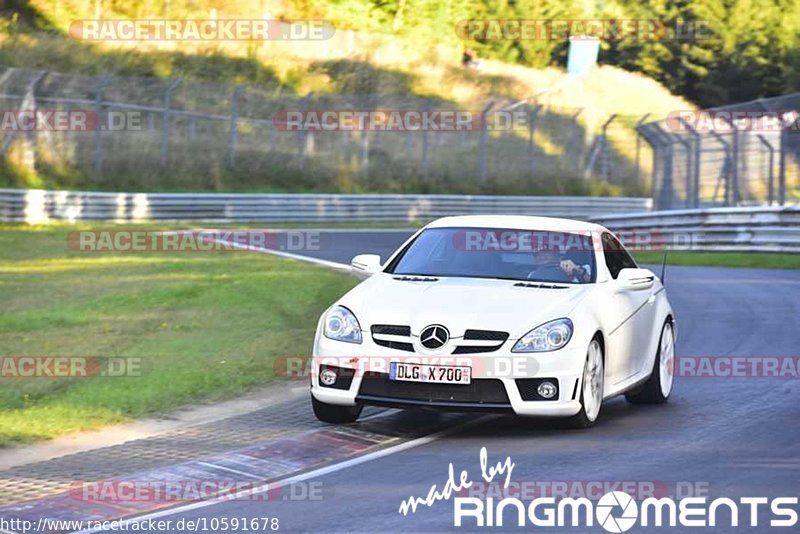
(337, 415)
(659, 386)
(592, 388)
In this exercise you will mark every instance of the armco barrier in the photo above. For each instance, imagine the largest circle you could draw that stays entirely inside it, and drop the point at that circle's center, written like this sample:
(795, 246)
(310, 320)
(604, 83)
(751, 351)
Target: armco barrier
(746, 229)
(768, 229)
(37, 206)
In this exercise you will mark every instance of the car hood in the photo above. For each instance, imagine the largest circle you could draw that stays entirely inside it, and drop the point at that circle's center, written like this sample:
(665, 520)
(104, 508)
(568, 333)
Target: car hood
(460, 304)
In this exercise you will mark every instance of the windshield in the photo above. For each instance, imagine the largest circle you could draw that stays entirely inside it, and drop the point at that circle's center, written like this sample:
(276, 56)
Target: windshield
(499, 253)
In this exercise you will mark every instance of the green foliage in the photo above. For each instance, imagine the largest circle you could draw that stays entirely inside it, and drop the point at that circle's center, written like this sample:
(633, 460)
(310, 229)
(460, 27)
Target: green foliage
(745, 49)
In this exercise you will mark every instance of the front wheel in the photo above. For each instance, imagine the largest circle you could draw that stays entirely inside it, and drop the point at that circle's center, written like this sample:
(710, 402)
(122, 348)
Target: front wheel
(332, 413)
(591, 389)
(659, 386)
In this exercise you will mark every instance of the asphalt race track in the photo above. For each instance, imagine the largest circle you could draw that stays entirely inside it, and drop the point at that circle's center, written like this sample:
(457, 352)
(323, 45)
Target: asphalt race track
(729, 437)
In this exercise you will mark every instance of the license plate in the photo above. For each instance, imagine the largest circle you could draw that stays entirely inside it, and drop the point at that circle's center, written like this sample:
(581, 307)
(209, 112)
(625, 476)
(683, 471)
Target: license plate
(434, 374)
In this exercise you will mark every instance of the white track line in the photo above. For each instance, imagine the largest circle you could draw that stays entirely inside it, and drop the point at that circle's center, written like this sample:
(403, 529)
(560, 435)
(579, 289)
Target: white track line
(381, 453)
(309, 259)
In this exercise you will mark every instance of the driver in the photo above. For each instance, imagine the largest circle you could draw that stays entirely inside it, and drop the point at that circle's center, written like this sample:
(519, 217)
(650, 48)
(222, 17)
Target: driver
(551, 261)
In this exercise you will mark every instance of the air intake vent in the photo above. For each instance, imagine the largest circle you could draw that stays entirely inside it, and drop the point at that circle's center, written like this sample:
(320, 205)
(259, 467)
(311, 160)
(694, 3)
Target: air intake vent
(539, 285)
(477, 341)
(397, 337)
(414, 279)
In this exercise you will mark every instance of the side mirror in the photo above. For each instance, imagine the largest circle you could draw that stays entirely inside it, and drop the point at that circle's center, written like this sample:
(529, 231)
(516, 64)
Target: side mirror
(635, 279)
(365, 265)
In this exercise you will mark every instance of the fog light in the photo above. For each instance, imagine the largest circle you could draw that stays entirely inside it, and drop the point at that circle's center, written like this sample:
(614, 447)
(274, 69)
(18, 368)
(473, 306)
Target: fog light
(327, 377)
(547, 390)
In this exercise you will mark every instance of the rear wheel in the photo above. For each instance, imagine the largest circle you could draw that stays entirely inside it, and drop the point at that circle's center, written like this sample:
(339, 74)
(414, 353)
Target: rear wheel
(659, 386)
(591, 389)
(332, 413)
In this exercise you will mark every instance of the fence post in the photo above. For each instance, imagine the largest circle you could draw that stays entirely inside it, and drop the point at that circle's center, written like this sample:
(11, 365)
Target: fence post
(770, 176)
(784, 148)
(30, 95)
(97, 153)
(234, 126)
(424, 160)
(657, 156)
(301, 133)
(698, 153)
(687, 169)
(484, 168)
(576, 142)
(639, 145)
(663, 197)
(726, 168)
(532, 114)
(192, 127)
(364, 160)
(605, 168)
(736, 196)
(165, 122)
(29, 138)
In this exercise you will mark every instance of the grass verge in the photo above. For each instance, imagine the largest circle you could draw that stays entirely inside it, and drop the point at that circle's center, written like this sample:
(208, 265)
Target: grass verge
(761, 260)
(206, 325)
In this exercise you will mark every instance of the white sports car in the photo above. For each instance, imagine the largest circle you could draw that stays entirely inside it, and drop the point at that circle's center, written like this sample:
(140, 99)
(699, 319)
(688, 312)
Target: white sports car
(527, 315)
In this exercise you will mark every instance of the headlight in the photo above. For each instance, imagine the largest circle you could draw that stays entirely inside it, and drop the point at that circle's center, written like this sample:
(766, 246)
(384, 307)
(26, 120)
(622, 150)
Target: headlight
(547, 337)
(342, 325)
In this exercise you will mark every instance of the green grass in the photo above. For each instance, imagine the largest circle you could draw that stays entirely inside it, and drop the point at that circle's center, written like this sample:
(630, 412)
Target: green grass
(207, 326)
(763, 260)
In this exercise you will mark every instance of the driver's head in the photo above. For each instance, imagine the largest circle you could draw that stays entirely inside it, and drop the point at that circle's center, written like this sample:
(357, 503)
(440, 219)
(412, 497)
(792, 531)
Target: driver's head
(547, 256)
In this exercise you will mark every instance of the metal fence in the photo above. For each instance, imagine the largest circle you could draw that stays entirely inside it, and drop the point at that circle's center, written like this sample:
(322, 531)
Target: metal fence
(729, 161)
(38, 206)
(215, 136)
(162, 134)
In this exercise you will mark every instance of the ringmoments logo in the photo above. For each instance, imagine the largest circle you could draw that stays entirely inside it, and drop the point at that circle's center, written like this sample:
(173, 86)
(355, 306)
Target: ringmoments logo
(615, 511)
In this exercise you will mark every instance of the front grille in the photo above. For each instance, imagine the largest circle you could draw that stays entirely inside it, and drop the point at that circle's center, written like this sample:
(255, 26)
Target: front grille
(480, 391)
(481, 335)
(398, 337)
(394, 331)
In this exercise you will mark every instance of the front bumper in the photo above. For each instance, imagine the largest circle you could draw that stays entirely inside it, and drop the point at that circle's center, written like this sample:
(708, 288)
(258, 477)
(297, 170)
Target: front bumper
(501, 380)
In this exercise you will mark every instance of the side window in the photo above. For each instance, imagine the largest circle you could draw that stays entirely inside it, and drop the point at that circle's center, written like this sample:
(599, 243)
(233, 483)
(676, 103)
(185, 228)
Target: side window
(617, 258)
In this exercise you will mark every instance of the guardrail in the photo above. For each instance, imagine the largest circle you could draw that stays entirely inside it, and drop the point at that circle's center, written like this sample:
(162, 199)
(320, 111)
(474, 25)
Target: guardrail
(766, 229)
(38, 206)
(746, 229)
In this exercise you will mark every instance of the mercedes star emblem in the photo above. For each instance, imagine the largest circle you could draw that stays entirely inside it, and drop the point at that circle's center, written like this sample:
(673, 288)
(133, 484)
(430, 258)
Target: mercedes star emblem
(434, 336)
